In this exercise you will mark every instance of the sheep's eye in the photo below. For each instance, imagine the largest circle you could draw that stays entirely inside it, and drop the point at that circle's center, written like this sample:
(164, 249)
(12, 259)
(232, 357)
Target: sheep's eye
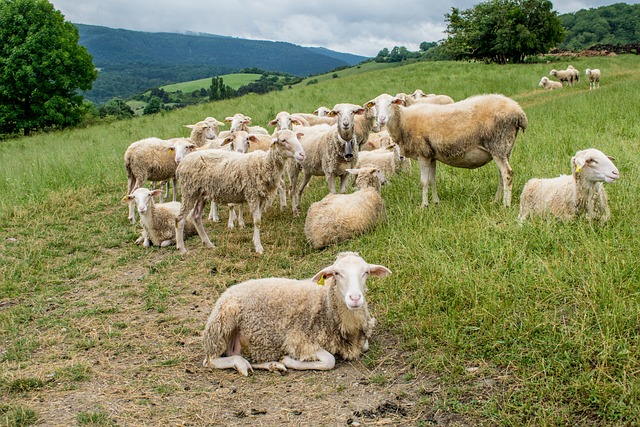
(592, 161)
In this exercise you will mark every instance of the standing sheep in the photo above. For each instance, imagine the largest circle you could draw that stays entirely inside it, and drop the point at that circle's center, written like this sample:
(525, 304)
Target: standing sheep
(157, 220)
(281, 323)
(594, 78)
(570, 196)
(549, 84)
(466, 134)
(230, 177)
(563, 76)
(338, 217)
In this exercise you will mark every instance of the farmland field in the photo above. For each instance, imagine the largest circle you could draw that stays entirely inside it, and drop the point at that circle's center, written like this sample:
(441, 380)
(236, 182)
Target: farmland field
(232, 80)
(483, 322)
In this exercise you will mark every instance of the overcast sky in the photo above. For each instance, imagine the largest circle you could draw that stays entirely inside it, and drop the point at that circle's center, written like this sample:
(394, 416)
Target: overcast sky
(360, 27)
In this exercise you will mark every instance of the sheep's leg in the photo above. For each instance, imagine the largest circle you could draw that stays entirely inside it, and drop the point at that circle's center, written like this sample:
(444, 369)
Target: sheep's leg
(197, 219)
(213, 215)
(175, 188)
(240, 217)
(343, 183)
(295, 201)
(180, 221)
(232, 216)
(428, 178)
(331, 180)
(257, 221)
(325, 362)
(283, 194)
(506, 181)
(270, 366)
(236, 362)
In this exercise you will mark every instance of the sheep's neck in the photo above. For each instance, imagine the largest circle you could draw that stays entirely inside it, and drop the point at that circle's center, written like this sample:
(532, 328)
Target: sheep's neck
(587, 194)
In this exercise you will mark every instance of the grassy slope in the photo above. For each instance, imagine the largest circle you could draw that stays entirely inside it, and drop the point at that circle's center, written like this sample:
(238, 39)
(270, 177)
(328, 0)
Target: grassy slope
(233, 80)
(547, 313)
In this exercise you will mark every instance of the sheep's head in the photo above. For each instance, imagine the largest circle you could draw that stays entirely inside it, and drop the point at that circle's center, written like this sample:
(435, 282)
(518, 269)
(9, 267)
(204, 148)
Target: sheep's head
(349, 273)
(181, 147)
(594, 166)
(288, 144)
(284, 120)
(383, 104)
(238, 121)
(143, 197)
(368, 176)
(239, 141)
(543, 81)
(206, 127)
(322, 112)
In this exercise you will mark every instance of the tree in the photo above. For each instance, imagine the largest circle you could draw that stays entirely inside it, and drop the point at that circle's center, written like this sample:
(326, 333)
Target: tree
(42, 68)
(503, 31)
(154, 106)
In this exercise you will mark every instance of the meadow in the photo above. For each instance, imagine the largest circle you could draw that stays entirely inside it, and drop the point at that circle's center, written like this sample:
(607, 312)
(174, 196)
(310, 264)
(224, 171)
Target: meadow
(232, 80)
(483, 322)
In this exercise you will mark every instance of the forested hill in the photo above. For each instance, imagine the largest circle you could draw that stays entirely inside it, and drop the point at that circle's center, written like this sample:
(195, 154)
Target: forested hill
(133, 61)
(616, 24)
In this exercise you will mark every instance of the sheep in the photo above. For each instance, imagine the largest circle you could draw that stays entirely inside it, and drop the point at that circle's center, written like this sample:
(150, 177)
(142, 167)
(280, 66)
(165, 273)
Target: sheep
(330, 151)
(563, 76)
(204, 130)
(280, 323)
(229, 177)
(377, 140)
(431, 98)
(575, 73)
(594, 78)
(157, 220)
(313, 120)
(388, 159)
(322, 111)
(285, 120)
(154, 159)
(338, 217)
(466, 134)
(241, 122)
(549, 84)
(570, 196)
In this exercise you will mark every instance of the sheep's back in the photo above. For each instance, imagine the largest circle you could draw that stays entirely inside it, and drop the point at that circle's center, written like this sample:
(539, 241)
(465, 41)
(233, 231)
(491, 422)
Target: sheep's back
(553, 195)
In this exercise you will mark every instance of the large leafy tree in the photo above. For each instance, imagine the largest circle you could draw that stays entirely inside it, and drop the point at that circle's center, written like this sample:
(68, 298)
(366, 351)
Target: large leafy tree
(42, 68)
(503, 31)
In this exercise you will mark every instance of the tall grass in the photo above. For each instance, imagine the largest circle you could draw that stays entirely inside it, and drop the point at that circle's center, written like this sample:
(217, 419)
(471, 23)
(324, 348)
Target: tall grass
(547, 311)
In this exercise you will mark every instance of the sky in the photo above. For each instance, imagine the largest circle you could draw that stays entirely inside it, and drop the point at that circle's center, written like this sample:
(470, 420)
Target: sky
(361, 27)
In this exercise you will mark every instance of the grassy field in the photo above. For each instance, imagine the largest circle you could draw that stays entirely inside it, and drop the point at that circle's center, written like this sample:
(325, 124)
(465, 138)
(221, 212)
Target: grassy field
(233, 80)
(483, 321)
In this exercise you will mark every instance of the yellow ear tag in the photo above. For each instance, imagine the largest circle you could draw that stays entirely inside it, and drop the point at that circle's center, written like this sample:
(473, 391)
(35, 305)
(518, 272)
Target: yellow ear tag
(578, 168)
(321, 281)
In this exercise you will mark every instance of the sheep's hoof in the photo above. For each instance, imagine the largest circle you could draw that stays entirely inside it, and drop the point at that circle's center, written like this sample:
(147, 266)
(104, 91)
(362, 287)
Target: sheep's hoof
(210, 245)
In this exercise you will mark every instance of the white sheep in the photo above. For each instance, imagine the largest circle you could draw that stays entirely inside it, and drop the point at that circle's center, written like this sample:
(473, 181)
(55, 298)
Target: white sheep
(280, 323)
(431, 98)
(241, 122)
(203, 131)
(571, 196)
(594, 78)
(339, 217)
(285, 120)
(322, 111)
(549, 84)
(466, 134)
(230, 177)
(155, 160)
(377, 140)
(563, 76)
(330, 151)
(388, 159)
(157, 220)
(574, 73)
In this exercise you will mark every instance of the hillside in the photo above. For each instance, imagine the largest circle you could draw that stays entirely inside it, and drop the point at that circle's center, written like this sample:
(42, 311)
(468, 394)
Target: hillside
(131, 62)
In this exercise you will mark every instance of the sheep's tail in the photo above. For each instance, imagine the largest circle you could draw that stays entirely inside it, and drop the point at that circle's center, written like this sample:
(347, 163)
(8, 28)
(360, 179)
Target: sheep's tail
(130, 177)
(220, 333)
(522, 122)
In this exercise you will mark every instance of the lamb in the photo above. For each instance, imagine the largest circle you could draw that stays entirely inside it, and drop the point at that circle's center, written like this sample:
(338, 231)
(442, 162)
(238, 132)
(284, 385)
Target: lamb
(338, 217)
(466, 134)
(388, 159)
(154, 159)
(280, 323)
(570, 196)
(330, 151)
(157, 220)
(230, 177)
(549, 84)
(594, 78)
(563, 76)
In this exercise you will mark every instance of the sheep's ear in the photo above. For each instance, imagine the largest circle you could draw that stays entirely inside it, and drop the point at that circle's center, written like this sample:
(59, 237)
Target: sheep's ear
(397, 101)
(157, 192)
(332, 113)
(611, 158)
(578, 162)
(323, 274)
(354, 171)
(299, 135)
(370, 104)
(247, 120)
(252, 138)
(272, 122)
(301, 121)
(170, 149)
(316, 111)
(127, 198)
(227, 140)
(189, 126)
(228, 119)
(378, 270)
(359, 111)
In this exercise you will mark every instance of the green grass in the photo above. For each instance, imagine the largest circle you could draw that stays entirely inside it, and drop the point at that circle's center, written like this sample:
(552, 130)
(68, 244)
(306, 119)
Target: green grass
(234, 80)
(547, 312)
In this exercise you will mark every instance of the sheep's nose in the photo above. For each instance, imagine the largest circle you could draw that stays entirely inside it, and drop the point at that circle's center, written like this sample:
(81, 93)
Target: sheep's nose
(355, 298)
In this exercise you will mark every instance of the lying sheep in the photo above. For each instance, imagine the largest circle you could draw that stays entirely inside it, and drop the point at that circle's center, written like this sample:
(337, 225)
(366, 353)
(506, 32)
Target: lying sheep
(330, 151)
(388, 159)
(594, 78)
(339, 217)
(281, 323)
(466, 134)
(154, 159)
(377, 140)
(230, 177)
(571, 196)
(549, 84)
(157, 220)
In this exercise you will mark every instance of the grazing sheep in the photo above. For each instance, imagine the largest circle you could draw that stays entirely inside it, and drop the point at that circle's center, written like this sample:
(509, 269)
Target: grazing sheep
(466, 134)
(330, 151)
(339, 217)
(594, 78)
(570, 196)
(563, 76)
(157, 220)
(230, 177)
(281, 323)
(154, 159)
(388, 159)
(549, 84)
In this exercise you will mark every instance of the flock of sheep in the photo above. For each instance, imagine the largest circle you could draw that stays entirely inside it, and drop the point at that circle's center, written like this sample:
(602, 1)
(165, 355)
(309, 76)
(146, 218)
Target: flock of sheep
(248, 165)
(570, 76)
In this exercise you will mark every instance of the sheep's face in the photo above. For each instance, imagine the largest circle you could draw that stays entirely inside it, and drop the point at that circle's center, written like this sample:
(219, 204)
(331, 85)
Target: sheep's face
(143, 198)
(350, 274)
(346, 118)
(594, 166)
(383, 104)
(239, 141)
(288, 144)
(238, 122)
(182, 148)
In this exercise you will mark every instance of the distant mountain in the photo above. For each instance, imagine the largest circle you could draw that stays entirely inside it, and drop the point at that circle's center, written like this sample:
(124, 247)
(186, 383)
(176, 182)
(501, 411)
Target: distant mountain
(131, 62)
